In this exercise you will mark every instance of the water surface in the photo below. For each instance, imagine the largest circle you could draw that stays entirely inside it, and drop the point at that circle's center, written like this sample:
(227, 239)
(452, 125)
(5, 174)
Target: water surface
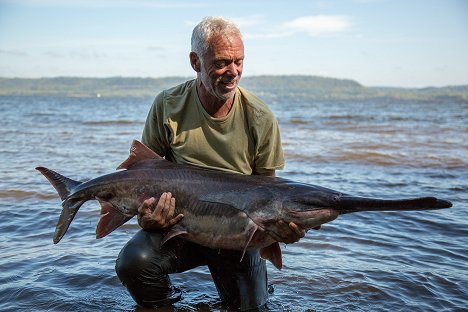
(408, 261)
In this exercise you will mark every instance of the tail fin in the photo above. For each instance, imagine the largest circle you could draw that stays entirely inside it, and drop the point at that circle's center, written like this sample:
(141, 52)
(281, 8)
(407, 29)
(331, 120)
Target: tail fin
(70, 207)
(62, 184)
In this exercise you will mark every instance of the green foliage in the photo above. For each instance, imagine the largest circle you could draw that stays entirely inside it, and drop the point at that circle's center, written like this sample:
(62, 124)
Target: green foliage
(293, 88)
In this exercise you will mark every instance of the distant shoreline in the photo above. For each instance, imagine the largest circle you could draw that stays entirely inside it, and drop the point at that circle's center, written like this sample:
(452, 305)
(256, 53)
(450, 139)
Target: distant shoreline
(295, 87)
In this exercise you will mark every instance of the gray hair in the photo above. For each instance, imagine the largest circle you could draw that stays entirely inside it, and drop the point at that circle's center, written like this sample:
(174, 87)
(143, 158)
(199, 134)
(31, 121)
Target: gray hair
(208, 27)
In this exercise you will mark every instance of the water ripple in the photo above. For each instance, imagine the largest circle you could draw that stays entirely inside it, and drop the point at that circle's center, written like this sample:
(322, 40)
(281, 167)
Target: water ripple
(408, 261)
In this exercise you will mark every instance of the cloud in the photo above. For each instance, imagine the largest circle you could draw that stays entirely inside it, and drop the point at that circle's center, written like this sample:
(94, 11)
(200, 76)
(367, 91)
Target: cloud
(53, 54)
(249, 21)
(271, 35)
(241, 21)
(13, 52)
(319, 25)
(88, 53)
(157, 51)
(118, 4)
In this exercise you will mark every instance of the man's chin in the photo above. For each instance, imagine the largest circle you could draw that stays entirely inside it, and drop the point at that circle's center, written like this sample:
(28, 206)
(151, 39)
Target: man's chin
(224, 96)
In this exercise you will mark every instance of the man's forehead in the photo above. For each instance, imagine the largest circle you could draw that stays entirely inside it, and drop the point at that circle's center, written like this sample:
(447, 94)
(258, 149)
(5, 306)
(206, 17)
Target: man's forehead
(225, 44)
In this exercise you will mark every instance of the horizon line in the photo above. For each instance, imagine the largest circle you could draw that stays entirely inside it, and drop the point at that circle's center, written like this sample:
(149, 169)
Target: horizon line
(248, 76)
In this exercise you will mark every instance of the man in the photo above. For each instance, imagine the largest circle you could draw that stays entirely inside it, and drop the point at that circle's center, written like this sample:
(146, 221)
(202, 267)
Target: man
(209, 122)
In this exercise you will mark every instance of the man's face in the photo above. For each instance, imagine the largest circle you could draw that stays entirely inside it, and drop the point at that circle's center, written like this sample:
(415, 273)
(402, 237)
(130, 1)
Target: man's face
(221, 66)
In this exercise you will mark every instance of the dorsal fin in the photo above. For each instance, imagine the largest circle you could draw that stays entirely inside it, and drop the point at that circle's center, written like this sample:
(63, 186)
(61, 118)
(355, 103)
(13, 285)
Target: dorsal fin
(138, 151)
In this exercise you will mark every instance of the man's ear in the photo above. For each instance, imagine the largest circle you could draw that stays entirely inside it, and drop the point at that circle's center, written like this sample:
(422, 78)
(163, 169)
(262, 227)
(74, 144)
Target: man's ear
(195, 62)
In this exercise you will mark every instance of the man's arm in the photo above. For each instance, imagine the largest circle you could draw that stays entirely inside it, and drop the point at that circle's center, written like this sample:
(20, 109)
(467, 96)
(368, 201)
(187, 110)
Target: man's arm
(155, 214)
(154, 133)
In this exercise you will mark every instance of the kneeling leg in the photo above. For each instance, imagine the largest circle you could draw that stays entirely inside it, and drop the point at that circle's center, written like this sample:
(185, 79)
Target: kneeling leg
(143, 267)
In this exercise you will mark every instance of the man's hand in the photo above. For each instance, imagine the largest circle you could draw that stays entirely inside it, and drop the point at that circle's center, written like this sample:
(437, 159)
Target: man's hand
(152, 216)
(291, 233)
(288, 233)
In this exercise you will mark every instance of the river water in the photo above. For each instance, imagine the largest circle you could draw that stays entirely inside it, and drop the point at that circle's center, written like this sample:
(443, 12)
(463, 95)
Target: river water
(388, 261)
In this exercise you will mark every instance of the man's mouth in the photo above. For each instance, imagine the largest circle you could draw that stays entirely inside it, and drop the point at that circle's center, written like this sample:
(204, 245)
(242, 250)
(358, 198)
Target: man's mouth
(230, 84)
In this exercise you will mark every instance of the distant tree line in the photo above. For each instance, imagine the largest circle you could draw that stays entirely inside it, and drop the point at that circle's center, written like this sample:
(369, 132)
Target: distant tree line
(274, 88)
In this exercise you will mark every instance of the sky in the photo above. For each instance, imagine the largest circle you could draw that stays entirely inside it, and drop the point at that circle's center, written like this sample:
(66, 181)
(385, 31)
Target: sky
(400, 43)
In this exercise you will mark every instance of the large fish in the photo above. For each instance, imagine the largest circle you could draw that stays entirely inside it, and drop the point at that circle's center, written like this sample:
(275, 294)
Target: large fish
(221, 210)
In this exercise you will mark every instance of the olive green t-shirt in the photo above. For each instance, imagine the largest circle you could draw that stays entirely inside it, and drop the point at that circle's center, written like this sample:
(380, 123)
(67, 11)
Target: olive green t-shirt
(246, 141)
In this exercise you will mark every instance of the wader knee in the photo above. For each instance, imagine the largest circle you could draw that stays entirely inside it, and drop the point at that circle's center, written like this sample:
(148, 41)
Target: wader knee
(242, 285)
(138, 268)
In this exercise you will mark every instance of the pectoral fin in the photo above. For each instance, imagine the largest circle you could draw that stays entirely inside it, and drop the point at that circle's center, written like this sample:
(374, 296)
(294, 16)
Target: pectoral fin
(272, 253)
(250, 233)
(175, 231)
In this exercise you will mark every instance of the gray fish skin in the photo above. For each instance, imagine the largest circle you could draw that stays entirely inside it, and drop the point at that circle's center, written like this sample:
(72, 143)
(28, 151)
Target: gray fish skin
(221, 210)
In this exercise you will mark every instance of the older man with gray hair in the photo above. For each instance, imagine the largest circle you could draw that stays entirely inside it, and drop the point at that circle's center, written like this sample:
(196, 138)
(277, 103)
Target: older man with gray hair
(208, 122)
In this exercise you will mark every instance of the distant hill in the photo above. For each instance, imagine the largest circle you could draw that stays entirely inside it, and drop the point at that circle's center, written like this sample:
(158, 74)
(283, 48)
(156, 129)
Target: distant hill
(78, 86)
(292, 88)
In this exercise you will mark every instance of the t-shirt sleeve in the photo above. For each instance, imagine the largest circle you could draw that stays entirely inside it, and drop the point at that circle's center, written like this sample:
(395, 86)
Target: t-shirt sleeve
(269, 154)
(154, 133)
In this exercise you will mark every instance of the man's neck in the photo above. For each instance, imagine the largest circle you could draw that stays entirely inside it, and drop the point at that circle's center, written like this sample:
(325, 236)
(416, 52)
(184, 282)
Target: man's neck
(213, 106)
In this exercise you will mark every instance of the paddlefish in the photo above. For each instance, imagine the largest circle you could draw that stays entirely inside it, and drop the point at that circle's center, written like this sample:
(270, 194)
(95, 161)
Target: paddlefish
(221, 209)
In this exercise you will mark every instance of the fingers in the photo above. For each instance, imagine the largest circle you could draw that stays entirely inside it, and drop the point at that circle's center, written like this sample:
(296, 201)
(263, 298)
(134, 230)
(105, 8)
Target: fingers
(163, 209)
(296, 229)
(146, 207)
(144, 211)
(176, 219)
(170, 201)
(289, 232)
(154, 215)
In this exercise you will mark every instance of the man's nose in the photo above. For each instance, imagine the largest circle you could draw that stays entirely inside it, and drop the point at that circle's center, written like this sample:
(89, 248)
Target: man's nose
(233, 69)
